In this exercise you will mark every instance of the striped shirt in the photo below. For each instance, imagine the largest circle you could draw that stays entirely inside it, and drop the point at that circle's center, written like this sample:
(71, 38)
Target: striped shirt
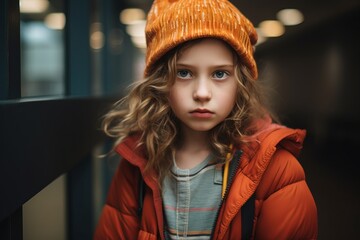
(191, 199)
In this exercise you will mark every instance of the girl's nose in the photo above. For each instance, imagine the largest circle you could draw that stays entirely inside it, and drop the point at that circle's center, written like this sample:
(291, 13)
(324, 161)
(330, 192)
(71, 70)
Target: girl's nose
(202, 91)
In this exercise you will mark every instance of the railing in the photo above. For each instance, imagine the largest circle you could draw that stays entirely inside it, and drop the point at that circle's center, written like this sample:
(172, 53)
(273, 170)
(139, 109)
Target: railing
(39, 141)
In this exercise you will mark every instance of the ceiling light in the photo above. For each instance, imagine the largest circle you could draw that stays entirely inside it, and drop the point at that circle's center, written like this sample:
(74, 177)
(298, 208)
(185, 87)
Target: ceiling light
(33, 6)
(271, 28)
(131, 15)
(290, 17)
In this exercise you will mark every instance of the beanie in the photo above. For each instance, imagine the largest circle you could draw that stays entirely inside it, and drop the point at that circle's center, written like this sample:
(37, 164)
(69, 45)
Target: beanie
(172, 22)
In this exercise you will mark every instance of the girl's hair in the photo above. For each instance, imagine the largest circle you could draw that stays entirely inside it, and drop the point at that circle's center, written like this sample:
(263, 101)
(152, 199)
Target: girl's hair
(146, 111)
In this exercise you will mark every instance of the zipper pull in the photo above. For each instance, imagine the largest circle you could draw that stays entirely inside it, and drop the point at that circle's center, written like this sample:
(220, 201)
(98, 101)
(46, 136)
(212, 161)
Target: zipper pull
(226, 171)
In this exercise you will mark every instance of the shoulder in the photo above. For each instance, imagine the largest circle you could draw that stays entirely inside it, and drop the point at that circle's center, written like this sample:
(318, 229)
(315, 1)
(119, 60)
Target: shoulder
(283, 194)
(283, 170)
(131, 150)
(126, 171)
(276, 144)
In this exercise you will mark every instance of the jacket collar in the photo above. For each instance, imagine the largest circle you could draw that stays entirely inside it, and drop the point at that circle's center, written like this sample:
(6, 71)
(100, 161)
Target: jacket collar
(264, 141)
(134, 153)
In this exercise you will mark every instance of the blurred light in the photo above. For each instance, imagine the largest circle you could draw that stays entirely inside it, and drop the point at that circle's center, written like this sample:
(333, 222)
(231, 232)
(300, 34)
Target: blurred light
(35, 33)
(136, 29)
(139, 42)
(33, 6)
(55, 21)
(261, 37)
(290, 17)
(271, 28)
(97, 40)
(137, 32)
(116, 40)
(131, 15)
(97, 37)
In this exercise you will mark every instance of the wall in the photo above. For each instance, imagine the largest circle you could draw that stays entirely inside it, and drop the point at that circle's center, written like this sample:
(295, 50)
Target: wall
(44, 215)
(315, 81)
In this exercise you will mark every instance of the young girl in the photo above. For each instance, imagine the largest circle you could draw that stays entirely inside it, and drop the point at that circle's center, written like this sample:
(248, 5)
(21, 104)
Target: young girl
(201, 156)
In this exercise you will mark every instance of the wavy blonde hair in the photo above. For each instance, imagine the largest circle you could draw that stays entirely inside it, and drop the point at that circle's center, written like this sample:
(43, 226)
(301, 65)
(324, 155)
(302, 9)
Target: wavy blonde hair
(146, 110)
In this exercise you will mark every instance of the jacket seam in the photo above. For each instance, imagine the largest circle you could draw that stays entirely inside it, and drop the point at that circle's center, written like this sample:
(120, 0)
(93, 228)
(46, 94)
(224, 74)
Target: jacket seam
(287, 185)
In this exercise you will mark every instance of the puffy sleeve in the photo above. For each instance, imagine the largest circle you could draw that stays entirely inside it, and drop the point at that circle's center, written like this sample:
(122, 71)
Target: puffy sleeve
(288, 209)
(118, 219)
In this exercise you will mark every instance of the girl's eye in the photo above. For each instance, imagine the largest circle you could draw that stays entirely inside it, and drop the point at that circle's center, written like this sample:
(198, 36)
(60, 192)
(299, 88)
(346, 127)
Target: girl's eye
(220, 75)
(185, 74)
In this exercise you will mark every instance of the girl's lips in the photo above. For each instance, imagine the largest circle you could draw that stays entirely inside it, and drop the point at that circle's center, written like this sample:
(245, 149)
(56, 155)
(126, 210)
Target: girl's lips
(201, 110)
(201, 113)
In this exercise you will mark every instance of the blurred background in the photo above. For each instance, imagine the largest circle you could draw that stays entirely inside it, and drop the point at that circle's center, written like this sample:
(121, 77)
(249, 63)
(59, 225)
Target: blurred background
(64, 63)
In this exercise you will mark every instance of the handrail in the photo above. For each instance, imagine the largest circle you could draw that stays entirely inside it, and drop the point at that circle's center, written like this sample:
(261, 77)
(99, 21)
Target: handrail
(40, 140)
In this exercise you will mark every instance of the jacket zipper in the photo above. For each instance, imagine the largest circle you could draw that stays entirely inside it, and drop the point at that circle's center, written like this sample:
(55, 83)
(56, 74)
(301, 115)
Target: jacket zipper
(237, 157)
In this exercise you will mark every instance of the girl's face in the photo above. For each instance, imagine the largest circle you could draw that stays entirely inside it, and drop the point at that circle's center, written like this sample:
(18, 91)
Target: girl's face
(204, 91)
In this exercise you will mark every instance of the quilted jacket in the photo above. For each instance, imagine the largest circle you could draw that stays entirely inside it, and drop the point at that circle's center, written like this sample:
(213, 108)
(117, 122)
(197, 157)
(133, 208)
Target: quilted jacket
(284, 205)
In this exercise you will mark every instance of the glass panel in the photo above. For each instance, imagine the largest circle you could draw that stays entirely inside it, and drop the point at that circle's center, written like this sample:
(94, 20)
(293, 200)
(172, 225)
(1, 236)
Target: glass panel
(42, 47)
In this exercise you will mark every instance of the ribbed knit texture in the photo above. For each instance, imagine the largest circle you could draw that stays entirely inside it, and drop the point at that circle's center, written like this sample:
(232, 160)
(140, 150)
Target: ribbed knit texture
(171, 22)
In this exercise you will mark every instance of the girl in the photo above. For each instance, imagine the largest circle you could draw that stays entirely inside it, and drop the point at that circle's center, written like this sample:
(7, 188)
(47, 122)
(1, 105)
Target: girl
(197, 143)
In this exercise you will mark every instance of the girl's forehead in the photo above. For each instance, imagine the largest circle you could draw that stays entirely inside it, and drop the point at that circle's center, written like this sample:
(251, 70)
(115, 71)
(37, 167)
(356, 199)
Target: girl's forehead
(206, 50)
(204, 42)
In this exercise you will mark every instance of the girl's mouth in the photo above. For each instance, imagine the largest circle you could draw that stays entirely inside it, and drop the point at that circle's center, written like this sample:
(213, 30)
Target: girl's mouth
(201, 113)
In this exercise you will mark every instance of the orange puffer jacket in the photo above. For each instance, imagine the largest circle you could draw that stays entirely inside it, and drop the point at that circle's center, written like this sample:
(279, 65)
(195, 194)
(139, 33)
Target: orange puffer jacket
(284, 205)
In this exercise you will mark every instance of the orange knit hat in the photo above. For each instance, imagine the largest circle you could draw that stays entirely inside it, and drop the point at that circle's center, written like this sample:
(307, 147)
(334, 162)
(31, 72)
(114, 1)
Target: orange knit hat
(172, 22)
